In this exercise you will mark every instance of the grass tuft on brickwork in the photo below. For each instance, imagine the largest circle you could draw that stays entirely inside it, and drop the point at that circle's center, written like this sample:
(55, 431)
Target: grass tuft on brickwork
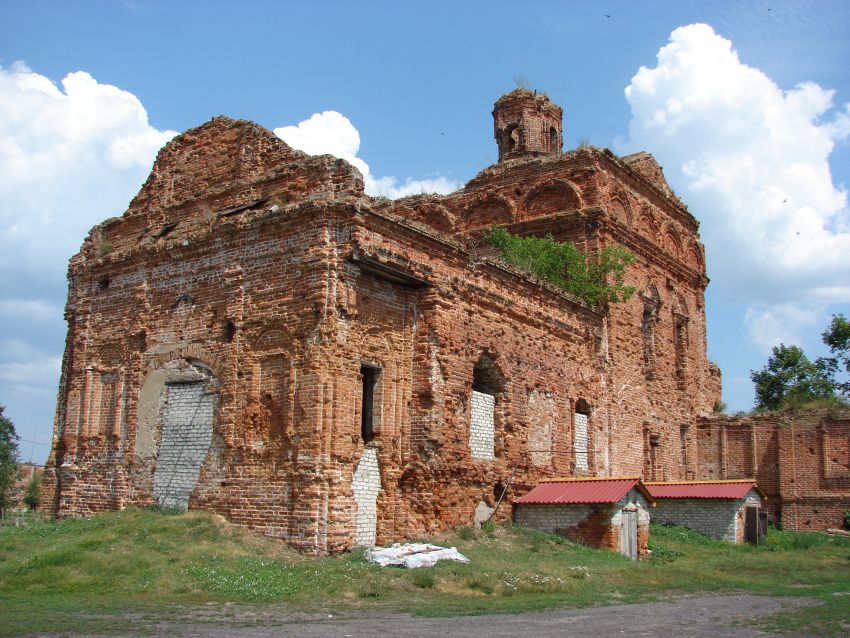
(131, 569)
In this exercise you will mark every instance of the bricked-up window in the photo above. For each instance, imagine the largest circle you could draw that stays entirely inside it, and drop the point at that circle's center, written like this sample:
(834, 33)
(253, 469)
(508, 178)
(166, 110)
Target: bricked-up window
(646, 333)
(581, 435)
(369, 375)
(654, 440)
(108, 398)
(680, 336)
(651, 304)
(487, 385)
(683, 437)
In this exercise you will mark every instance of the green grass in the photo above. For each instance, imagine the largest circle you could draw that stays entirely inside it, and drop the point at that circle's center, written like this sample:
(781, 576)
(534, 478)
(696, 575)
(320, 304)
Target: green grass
(132, 568)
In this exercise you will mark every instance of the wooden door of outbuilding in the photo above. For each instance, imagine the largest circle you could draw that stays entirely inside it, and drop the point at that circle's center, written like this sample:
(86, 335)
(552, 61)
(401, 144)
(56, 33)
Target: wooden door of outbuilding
(628, 534)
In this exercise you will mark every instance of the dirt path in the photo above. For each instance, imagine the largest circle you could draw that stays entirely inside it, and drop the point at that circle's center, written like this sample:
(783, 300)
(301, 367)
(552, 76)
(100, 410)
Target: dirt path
(683, 617)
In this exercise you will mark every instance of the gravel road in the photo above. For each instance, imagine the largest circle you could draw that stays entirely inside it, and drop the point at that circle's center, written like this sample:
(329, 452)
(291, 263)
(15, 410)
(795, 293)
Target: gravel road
(718, 616)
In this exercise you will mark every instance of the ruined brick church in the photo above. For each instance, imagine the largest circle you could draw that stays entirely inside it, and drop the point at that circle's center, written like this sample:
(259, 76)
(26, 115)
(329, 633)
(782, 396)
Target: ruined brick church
(257, 337)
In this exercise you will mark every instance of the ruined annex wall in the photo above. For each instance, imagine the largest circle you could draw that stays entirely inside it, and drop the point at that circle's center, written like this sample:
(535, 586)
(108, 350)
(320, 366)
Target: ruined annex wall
(799, 459)
(741, 447)
(814, 456)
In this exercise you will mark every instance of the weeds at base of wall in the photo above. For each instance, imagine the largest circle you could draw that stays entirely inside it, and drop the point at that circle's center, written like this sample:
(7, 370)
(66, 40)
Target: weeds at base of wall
(166, 510)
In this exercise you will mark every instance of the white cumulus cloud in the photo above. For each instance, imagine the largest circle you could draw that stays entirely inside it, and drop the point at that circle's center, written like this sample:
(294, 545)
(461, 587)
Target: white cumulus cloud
(333, 133)
(752, 161)
(69, 158)
(71, 155)
(768, 326)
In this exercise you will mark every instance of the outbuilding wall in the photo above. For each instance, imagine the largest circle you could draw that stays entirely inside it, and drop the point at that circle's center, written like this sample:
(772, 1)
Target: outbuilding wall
(720, 518)
(594, 524)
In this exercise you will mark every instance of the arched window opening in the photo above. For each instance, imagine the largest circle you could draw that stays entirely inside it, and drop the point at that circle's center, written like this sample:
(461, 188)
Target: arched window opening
(553, 140)
(512, 138)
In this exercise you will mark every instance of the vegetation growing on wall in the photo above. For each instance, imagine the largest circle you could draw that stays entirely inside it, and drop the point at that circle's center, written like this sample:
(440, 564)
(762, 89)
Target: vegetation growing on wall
(593, 278)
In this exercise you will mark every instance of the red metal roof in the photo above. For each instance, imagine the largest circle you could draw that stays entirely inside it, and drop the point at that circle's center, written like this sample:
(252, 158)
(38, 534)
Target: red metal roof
(594, 490)
(703, 489)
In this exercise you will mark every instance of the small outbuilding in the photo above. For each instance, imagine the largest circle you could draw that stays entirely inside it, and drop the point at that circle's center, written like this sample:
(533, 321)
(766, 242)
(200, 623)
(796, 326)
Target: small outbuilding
(731, 510)
(604, 512)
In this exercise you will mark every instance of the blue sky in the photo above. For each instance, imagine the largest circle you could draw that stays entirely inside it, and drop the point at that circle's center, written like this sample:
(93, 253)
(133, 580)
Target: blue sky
(748, 115)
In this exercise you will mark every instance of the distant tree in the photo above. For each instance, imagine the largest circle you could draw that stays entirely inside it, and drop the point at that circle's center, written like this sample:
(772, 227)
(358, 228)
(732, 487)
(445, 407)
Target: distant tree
(8, 459)
(837, 337)
(791, 378)
(32, 498)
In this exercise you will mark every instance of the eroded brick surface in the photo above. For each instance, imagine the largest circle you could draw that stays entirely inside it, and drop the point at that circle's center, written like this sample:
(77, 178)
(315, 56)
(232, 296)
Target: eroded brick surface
(273, 271)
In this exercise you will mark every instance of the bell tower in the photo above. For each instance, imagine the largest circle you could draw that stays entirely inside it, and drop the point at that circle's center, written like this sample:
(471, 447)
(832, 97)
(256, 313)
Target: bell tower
(527, 124)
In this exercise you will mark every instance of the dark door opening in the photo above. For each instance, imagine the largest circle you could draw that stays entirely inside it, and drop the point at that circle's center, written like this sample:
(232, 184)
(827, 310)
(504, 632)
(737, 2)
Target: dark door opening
(755, 525)
(369, 375)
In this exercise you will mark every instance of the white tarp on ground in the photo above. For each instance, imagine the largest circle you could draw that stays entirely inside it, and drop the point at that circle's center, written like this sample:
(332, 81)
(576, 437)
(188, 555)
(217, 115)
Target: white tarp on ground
(413, 555)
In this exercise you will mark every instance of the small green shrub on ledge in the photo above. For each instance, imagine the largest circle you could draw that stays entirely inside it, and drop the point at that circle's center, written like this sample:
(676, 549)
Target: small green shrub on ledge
(565, 266)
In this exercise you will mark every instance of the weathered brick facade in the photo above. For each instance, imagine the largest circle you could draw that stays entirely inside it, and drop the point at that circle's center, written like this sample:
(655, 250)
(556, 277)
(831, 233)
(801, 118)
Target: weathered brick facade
(801, 460)
(331, 341)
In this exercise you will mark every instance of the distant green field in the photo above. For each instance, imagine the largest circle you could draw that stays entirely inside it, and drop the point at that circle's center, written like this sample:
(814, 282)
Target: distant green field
(122, 569)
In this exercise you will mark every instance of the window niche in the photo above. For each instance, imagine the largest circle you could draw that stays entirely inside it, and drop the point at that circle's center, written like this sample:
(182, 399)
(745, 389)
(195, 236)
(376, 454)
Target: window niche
(369, 409)
(684, 430)
(651, 304)
(653, 470)
(487, 386)
(680, 342)
(581, 436)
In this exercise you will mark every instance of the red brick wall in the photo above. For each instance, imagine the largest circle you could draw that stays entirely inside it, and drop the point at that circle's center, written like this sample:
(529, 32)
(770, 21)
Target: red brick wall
(799, 459)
